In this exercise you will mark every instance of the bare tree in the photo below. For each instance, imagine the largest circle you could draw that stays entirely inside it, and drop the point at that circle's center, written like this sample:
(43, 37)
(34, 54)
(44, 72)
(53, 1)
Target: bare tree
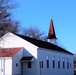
(34, 32)
(6, 22)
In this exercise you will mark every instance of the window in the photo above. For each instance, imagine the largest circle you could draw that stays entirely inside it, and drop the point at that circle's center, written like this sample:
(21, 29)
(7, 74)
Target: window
(53, 62)
(47, 57)
(29, 64)
(63, 63)
(67, 63)
(16, 64)
(47, 61)
(58, 62)
(70, 65)
(41, 64)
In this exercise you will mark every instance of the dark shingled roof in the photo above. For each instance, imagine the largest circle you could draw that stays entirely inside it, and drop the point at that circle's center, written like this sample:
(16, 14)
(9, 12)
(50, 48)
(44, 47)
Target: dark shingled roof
(44, 44)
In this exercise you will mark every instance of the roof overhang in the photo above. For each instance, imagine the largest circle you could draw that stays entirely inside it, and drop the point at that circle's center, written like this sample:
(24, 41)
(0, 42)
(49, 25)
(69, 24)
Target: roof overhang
(27, 59)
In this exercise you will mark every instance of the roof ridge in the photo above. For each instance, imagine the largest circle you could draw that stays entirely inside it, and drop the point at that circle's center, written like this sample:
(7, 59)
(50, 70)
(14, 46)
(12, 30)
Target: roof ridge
(43, 44)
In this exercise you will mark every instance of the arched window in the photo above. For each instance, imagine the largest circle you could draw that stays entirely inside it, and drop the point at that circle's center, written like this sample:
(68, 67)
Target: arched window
(53, 62)
(58, 62)
(47, 61)
(67, 63)
(63, 63)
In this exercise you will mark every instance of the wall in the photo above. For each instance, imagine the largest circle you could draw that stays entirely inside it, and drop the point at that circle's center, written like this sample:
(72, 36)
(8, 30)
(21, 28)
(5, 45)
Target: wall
(4, 63)
(33, 69)
(16, 64)
(42, 56)
(8, 66)
(11, 40)
(16, 60)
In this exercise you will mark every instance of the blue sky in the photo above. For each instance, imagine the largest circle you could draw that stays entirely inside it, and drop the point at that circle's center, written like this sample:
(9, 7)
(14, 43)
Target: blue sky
(39, 13)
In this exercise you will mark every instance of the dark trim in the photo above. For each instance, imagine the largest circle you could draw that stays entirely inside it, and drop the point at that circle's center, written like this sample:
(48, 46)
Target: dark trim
(44, 44)
(26, 58)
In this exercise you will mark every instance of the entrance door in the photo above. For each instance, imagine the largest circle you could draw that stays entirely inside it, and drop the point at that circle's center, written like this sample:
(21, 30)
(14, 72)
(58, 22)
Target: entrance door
(24, 68)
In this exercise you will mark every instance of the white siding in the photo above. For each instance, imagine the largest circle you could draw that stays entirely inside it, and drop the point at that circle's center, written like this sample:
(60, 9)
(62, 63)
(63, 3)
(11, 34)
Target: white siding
(42, 56)
(11, 40)
(5, 66)
(8, 67)
(32, 70)
(16, 60)
(16, 64)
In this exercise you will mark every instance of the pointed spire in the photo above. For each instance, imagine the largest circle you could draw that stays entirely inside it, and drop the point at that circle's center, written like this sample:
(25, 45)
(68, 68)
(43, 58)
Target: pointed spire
(51, 34)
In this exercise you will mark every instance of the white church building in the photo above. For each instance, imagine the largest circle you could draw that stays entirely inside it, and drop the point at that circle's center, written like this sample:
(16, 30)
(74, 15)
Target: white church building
(22, 55)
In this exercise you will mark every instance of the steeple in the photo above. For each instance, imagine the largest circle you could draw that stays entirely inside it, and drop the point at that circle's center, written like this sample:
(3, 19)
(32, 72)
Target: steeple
(51, 33)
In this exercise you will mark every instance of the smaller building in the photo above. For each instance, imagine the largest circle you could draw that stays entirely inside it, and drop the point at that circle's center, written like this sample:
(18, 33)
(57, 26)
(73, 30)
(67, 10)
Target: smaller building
(9, 58)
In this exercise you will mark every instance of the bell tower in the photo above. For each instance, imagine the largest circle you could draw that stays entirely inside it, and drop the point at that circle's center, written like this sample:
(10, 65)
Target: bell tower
(51, 34)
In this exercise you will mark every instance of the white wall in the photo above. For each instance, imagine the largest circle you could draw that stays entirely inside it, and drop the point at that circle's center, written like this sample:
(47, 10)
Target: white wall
(11, 40)
(33, 69)
(16, 60)
(5, 66)
(42, 56)
(8, 66)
